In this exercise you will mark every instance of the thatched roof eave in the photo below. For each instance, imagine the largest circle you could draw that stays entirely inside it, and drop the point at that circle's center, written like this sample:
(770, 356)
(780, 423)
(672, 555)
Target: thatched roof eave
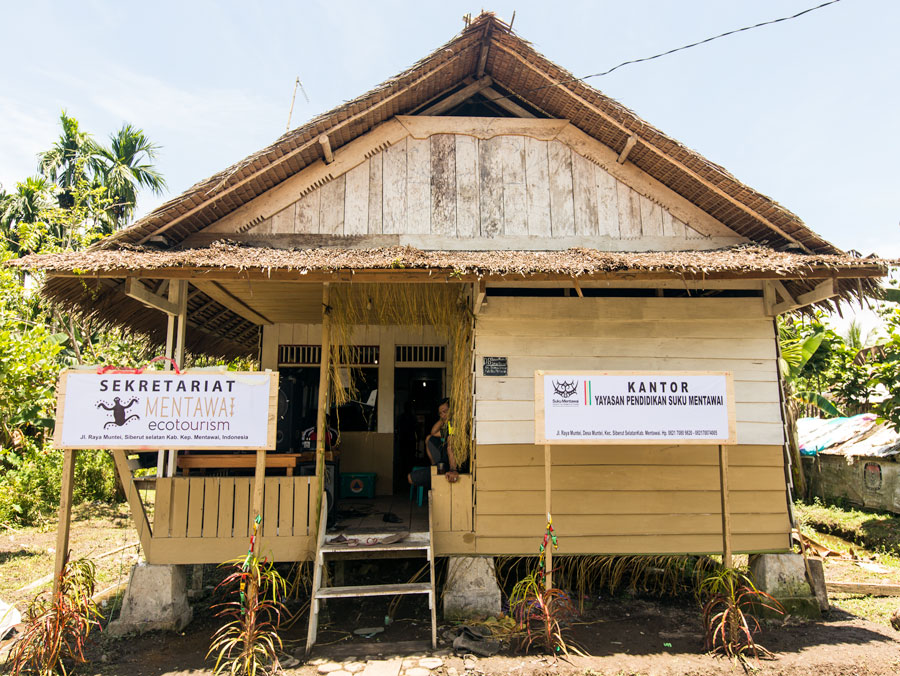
(226, 260)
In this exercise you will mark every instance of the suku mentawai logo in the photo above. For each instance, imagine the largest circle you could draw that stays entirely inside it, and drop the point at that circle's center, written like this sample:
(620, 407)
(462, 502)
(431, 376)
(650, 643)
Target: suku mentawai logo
(565, 392)
(118, 411)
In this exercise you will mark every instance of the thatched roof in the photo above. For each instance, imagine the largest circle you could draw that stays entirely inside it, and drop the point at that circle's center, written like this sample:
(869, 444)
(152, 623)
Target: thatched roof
(232, 260)
(486, 47)
(97, 287)
(92, 281)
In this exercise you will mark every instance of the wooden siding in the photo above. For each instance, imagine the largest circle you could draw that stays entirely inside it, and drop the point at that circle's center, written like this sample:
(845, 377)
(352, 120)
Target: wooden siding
(629, 499)
(506, 190)
(209, 519)
(623, 334)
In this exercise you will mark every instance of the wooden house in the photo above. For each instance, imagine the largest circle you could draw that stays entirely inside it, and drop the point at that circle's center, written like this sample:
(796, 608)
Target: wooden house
(576, 235)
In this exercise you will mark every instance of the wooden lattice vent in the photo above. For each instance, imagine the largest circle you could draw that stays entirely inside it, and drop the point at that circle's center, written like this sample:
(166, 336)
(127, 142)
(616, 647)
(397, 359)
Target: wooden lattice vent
(311, 355)
(420, 353)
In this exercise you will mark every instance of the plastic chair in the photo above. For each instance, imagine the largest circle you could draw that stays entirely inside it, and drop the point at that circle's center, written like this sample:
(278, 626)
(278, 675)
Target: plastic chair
(421, 489)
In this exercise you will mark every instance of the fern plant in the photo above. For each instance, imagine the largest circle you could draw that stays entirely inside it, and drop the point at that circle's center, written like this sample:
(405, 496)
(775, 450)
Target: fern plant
(248, 643)
(731, 601)
(57, 624)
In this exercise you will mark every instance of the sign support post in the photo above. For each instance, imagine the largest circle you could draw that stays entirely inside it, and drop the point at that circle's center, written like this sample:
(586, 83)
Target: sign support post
(726, 513)
(65, 515)
(548, 504)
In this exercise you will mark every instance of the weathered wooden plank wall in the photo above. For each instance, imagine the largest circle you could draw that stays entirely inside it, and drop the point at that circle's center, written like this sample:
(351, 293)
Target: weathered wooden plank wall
(627, 499)
(459, 186)
(621, 334)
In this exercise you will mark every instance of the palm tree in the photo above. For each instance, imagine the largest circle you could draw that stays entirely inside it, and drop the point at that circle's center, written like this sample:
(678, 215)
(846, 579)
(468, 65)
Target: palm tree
(124, 168)
(20, 208)
(73, 155)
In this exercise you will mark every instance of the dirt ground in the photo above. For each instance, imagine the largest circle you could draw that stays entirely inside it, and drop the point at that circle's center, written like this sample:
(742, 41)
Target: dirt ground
(621, 635)
(633, 636)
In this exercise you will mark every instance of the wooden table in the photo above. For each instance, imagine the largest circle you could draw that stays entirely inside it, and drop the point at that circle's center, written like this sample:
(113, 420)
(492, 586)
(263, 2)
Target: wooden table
(286, 461)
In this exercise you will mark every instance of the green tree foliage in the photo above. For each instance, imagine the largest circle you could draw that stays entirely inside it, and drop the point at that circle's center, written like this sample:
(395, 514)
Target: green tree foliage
(841, 375)
(124, 167)
(84, 192)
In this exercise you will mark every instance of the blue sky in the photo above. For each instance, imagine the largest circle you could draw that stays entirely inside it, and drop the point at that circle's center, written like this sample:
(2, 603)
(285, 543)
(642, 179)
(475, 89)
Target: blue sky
(804, 111)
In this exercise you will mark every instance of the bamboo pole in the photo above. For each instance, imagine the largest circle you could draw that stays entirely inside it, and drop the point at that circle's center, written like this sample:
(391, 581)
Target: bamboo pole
(726, 509)
(321, 431)
(548, 504)
(65, 515)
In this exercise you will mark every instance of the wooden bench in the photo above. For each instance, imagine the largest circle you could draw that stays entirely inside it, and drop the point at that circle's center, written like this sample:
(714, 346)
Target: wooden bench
(286, 461)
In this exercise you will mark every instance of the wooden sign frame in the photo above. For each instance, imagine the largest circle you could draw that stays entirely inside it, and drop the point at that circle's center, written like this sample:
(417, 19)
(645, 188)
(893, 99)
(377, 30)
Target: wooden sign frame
(271, 421)
(540, 420)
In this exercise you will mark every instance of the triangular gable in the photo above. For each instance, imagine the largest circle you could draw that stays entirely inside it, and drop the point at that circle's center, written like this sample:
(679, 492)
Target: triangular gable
(474, 183)
(485, 48)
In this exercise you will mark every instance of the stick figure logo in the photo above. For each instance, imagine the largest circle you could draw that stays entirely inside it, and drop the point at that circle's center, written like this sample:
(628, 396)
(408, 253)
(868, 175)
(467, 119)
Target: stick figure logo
(565, 388)
(118, 411)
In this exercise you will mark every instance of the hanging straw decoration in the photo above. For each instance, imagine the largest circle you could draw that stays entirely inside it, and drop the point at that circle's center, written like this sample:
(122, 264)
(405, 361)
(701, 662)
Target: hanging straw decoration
(443, 306)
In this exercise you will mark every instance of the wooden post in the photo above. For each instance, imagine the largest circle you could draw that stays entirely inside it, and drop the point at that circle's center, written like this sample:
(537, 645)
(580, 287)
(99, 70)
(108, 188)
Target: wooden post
(170, 350)
(548, 500)
(180, 291)
(65, 514)
(321, 431)
(726, 509)
(259, 483)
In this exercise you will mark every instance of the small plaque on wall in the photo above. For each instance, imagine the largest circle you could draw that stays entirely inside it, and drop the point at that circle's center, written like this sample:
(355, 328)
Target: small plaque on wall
(495, 366)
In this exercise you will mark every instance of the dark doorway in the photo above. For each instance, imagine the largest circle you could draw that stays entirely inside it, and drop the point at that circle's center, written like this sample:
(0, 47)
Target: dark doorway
(417, 393)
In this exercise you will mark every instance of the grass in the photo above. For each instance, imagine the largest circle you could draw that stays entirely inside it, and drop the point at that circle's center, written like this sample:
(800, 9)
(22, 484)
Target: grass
(876, 531)
(871, 536)
(27, 554)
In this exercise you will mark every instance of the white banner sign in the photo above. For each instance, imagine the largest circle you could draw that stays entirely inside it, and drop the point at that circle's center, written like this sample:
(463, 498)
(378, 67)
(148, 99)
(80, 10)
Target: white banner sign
(162, 409)
(617, 407)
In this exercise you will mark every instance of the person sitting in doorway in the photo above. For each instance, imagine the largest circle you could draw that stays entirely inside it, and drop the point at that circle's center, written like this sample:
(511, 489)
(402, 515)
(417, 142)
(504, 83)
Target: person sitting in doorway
(437, 446)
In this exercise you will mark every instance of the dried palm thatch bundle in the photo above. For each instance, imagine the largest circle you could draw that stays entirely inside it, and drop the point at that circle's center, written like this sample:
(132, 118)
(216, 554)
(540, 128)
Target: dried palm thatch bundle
(657, 575)
(445, 307)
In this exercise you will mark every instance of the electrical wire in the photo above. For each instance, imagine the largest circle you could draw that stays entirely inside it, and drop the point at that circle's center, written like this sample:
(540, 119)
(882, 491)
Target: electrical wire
(676, 49)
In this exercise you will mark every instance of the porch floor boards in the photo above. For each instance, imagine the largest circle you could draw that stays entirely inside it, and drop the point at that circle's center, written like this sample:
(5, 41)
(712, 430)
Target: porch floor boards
(361, 516)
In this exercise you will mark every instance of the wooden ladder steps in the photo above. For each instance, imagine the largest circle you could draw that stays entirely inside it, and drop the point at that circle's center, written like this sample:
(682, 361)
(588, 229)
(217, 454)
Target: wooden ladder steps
(374, 590)
(407, 545)
(356, 547)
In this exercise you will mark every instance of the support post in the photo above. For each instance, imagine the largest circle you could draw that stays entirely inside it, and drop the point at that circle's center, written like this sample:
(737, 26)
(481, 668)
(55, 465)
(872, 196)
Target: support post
(726, 508)
(321, 431)
(65, 515)
(259, 483)
(180, 289)
(548, 504)
(170, 350)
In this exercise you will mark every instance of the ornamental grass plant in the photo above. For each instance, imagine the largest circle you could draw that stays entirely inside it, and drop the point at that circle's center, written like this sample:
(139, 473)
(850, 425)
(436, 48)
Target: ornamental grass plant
(248, 643)
(58, 624)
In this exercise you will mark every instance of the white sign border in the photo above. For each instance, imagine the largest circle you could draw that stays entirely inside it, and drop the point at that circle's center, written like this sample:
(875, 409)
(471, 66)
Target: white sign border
(540, 438)
(272, 422)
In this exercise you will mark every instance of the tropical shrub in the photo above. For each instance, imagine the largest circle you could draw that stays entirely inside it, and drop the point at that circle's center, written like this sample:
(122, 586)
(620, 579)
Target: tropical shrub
(248, 643)
(540, 614)
(730, 603)
(57, 624)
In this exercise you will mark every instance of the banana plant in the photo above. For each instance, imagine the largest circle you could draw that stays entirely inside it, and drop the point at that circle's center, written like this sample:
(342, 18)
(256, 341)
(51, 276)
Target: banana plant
(796, 353)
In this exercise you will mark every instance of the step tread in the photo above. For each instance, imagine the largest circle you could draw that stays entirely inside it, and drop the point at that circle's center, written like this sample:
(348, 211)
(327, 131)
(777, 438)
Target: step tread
(404, 546)
(374, 590)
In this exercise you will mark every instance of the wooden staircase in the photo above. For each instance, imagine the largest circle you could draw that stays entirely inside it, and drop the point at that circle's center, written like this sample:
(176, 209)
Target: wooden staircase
(413, 544)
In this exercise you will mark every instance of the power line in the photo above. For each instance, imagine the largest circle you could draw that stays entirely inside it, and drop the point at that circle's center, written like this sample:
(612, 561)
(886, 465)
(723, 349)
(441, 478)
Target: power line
(682, 48)
(715, 37)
